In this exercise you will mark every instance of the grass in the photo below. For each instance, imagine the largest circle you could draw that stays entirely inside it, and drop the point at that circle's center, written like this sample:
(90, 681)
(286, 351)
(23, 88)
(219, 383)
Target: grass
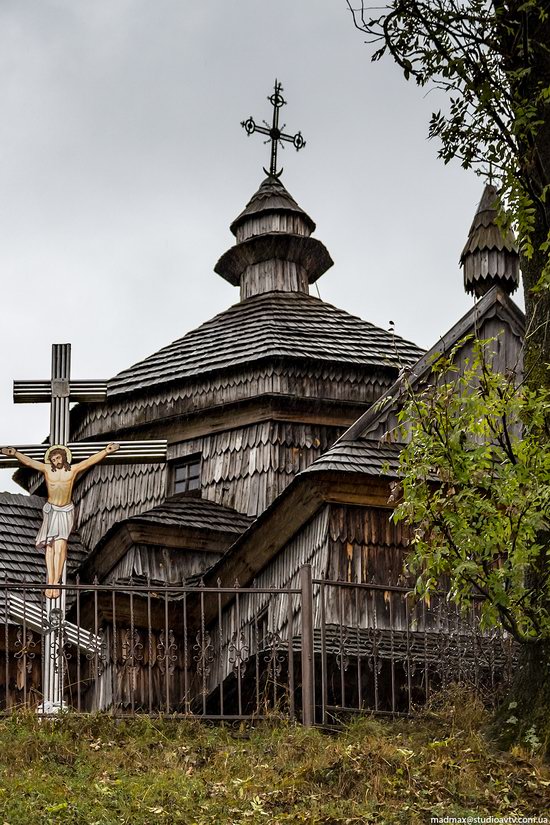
(95, 770)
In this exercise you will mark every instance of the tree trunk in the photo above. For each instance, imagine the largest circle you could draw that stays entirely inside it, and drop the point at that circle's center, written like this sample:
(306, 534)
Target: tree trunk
(531, 685)
(524, 718)
(537, 304)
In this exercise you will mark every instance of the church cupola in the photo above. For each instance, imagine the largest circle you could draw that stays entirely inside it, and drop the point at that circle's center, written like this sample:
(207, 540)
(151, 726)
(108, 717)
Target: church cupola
(490, 258)
(274, 251)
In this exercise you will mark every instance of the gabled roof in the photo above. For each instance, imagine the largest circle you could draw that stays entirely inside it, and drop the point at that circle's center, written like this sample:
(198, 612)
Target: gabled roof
(358, 442)
(362, 455)
(181, 521)
(271, 325)
(358, 461)
(20, 520)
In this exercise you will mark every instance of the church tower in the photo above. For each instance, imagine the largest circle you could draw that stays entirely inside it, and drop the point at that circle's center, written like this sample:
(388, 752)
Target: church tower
(251, 397)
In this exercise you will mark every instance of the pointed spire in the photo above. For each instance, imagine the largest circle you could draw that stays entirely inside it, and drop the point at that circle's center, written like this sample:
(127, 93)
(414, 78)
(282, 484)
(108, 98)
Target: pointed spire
(489, 257)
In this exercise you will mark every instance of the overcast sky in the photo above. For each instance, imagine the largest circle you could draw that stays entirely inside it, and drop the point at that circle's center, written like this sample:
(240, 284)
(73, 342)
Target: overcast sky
(123, 162)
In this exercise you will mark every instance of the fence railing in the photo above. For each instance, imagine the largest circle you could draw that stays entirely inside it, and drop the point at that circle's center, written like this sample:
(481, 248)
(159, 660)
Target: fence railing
(314, 650)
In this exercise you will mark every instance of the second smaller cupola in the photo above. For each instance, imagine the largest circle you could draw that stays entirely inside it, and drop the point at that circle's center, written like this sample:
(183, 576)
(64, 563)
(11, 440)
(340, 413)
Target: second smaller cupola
(490, 256)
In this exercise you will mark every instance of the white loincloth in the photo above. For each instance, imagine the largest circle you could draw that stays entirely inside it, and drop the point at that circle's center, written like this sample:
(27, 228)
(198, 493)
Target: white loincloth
(57, 524)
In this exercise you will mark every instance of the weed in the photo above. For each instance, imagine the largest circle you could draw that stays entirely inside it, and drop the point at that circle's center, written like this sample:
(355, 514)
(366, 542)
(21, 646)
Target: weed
(95, 770)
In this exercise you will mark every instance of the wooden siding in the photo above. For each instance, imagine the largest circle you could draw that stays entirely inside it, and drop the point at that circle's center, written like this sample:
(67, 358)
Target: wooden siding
(310, 546)
(245, 469)
(366, 546)
(292, 224)
(271, 275)
(161, 564)
(110, 493)
(135, 673)
(322, 383)
(342, 543)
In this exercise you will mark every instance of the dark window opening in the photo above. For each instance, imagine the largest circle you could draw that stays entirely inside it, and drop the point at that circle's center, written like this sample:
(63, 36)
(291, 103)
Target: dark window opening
(187, 476)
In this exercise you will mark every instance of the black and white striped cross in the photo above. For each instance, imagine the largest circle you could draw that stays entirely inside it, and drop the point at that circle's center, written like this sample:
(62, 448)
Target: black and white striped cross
(59, 391)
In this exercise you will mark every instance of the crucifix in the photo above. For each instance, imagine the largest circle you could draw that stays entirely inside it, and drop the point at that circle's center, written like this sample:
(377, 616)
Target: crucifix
(274, 132)
(55, 461)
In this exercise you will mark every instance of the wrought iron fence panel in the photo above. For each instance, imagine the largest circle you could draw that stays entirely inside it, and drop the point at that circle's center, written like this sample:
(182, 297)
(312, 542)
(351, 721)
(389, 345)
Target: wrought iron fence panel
(376, 649)
(313, 650)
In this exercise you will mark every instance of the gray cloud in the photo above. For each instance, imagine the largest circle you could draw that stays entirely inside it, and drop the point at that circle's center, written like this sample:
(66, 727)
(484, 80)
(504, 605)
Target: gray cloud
(122, 163)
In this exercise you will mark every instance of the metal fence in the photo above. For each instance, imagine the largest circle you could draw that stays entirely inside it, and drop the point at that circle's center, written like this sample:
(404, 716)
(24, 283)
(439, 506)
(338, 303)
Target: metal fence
(314, 650)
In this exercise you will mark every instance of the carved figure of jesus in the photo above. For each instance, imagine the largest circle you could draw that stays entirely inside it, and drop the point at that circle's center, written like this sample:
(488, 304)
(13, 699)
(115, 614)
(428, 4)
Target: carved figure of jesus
(58, 512)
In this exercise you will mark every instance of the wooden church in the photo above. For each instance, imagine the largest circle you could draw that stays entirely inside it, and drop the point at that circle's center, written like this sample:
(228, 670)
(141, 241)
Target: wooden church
(257, 566)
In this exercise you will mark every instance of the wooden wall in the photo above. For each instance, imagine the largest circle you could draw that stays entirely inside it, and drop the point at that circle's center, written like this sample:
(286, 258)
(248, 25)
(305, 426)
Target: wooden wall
(248, 467)
(366, 546)
(329, 382)
(292, 224)
(245, 468)
(310, 546)
(507, 349)
(284, 276)
(109, 493)
(161, 564)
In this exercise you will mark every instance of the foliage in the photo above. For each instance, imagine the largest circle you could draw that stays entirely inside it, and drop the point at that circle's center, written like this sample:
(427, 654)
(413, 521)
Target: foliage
(476, 485)
(97, 770)
(492, 61)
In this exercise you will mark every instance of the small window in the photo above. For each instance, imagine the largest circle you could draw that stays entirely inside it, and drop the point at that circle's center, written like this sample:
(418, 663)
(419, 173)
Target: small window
(187, 475)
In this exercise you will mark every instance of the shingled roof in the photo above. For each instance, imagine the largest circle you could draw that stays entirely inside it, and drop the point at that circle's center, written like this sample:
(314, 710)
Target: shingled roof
(189, 511)
(271, 197)
(490, 255)
(270, 325)
(363, 455)
(20, 520)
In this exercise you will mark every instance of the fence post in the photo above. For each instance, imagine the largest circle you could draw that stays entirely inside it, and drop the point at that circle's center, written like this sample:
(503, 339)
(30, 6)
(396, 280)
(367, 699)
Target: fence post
(308, 695)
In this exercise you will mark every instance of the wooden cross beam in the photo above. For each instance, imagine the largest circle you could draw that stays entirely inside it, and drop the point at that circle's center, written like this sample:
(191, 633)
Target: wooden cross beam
(130, 452)
(60, 391)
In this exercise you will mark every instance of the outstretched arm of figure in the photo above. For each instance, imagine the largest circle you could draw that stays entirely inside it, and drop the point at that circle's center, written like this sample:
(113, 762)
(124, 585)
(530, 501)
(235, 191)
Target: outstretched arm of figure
(24, 459)
(95, 458)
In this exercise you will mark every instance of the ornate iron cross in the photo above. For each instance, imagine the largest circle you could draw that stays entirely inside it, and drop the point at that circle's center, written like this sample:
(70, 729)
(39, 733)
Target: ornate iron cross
(274, 132)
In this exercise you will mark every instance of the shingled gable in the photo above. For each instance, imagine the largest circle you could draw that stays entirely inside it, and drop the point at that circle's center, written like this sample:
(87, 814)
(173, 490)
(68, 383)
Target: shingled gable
(357, 469)
(20, 520)
(182, 525)
(488, 318)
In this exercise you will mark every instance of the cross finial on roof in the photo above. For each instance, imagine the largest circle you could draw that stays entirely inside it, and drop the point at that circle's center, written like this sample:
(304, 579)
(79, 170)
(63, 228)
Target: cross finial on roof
(274, 132)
